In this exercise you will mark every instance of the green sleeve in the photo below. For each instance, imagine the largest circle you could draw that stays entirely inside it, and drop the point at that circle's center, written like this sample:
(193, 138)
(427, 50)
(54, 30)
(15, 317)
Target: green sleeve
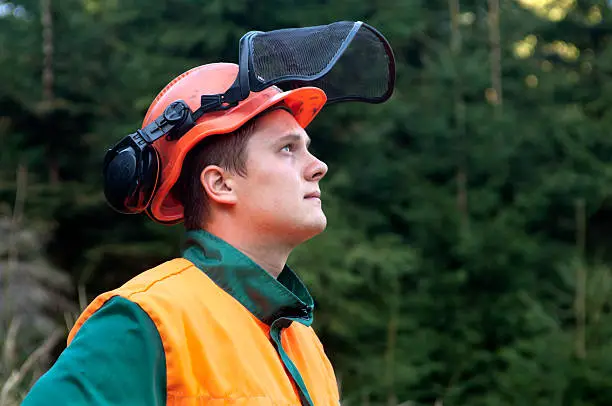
(116, 358)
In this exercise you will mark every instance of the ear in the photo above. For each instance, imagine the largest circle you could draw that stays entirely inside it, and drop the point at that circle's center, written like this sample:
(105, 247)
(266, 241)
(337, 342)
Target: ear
(218, 184)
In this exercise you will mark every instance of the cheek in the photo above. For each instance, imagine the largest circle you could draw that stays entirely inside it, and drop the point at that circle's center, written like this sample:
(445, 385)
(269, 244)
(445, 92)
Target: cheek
(274, 186)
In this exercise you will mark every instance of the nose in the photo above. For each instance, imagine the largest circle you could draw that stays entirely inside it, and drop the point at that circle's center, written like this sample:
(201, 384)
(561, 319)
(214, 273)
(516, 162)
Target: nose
(316, 170)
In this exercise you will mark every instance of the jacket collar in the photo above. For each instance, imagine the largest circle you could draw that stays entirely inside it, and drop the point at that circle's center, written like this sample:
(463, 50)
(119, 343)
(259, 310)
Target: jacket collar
(265, 297)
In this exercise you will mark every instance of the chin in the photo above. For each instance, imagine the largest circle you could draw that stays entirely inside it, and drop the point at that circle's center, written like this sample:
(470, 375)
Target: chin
(304, 231)
(315, 228)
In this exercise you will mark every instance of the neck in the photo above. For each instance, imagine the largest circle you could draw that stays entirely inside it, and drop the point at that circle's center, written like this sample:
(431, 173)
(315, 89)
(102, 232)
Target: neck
(269, 254)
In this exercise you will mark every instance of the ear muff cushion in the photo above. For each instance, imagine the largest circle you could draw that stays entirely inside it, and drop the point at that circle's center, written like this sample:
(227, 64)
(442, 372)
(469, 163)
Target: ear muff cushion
(120, 178)
(130, 179)
(149, 177)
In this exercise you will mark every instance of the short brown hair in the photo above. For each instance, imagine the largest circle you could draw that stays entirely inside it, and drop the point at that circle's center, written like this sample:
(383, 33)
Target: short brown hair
(225, 150)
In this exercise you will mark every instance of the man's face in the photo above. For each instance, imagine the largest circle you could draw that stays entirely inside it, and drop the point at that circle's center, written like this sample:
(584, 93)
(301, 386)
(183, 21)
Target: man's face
(280, 195)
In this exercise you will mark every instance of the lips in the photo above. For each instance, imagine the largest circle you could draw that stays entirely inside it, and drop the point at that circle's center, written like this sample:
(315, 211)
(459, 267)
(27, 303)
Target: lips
(313, 195)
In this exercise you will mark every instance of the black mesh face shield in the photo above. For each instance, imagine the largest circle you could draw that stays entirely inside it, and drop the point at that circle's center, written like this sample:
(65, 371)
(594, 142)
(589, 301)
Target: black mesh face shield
(347, 60)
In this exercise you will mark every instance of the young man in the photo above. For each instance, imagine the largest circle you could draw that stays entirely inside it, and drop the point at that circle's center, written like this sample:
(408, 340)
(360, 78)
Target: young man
(228, 322)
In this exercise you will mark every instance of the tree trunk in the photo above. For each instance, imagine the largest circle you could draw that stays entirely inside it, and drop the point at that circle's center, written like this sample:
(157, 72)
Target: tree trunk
(581, 276)
(48, 79)
(394, 305)
(495, 55)
(11, 270)
(459, 118)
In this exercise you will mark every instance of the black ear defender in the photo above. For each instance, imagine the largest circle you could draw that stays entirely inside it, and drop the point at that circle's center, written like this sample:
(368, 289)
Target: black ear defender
(132, 166)
(131, 171)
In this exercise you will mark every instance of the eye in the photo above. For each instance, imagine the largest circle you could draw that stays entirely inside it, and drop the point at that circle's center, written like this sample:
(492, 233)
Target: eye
(288, 148)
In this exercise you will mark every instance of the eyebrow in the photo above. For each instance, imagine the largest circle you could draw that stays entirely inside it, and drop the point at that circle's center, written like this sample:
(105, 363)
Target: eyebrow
(294, 137)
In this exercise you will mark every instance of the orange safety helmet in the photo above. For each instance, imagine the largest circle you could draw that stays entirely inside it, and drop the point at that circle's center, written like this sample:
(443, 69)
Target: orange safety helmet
(213, 78)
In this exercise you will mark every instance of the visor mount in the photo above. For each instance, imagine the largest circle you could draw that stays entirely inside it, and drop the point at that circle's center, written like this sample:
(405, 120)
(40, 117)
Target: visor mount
(215, 102)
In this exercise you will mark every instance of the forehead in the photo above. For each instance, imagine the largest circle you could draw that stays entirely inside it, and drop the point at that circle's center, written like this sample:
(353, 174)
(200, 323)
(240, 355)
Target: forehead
(276, 124)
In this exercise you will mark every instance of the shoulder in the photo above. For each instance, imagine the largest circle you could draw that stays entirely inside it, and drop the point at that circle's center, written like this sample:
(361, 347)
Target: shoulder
(143, 282)
(139, 283)
(174, 295)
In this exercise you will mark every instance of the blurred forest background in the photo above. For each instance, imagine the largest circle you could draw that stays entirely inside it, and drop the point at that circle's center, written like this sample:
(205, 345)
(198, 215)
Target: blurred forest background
(468, 255)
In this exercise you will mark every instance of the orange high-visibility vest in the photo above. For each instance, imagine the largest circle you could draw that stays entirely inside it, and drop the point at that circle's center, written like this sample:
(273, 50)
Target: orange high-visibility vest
(217, 352)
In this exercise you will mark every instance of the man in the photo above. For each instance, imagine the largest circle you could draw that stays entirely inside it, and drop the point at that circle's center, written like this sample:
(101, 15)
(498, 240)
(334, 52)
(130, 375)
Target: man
(228, 322)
